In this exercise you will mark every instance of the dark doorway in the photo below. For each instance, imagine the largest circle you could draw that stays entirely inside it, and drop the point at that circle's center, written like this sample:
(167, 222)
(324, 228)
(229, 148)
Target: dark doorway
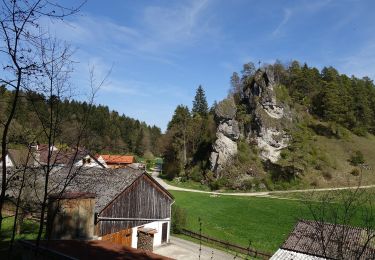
(164, 232)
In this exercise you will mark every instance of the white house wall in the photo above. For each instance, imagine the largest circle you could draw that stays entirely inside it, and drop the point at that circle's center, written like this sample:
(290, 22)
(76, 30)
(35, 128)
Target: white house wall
(92, 163)
(9, 162)
(157, 236)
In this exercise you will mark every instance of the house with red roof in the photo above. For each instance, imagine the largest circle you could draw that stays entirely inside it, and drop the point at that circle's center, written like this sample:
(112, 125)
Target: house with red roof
(116, 161)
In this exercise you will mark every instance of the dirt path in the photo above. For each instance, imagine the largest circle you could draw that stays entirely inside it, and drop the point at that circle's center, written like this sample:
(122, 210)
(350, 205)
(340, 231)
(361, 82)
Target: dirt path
(250, 194)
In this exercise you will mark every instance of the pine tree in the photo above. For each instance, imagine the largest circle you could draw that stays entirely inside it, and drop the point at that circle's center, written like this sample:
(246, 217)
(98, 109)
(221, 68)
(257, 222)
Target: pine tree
(200, 105)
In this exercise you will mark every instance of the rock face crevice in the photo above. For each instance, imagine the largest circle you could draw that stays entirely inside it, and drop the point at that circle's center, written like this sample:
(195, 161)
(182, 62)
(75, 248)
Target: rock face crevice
(227, 134)
(269, 121)
(270, 117)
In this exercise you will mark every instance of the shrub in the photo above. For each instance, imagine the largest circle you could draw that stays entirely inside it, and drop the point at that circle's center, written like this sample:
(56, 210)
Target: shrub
(360, 131)
(355, 172)
(327, 175)
(357, 158)
(178, 219)
(218, 184)
(196, 174)
(247, 184)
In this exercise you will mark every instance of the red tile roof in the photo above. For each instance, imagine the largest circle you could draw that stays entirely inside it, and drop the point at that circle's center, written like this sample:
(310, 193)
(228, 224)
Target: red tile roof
(118, 159)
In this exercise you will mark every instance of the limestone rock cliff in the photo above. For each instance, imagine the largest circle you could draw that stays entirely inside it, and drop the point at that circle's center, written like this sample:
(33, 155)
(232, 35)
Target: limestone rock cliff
(225, 146)
(270, 118)
(267, 127)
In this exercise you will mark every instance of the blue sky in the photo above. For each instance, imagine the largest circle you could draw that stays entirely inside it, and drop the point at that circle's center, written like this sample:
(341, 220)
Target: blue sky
(160, 51)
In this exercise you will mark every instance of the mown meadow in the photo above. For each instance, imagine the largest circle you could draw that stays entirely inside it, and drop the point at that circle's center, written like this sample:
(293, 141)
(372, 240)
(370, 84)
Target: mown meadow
(262, 222)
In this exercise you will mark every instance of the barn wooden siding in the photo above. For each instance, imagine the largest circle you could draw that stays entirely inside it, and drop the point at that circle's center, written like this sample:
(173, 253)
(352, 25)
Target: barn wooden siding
(143, 199)
(71, 218)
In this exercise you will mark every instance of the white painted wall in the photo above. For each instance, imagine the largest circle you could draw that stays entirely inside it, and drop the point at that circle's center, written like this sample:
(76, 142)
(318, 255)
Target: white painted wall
(157, 236)
(101, 160)
(9, 162)
(92, 163)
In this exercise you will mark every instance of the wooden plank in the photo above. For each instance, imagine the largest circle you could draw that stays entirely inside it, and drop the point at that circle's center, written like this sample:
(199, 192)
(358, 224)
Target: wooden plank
(141, 200)
(123, 237)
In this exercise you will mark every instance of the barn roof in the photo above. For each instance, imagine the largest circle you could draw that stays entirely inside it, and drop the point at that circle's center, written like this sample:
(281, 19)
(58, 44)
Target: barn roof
(21, 157)
(65, 156)
(107, 184)
(307, 237)
(117, 159)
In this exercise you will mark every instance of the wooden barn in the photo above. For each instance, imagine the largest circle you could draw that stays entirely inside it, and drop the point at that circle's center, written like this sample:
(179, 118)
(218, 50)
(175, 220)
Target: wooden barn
(131, 208)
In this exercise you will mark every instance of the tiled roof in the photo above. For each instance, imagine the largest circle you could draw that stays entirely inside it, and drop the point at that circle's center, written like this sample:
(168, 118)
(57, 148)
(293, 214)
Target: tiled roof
(283, 254)
(21, 157)
(324, 240)
(118, 159)
(65, 156)
(105, 183)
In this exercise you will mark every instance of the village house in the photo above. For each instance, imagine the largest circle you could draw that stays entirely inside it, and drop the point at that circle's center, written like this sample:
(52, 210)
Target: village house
(37, 156)
(66, 157)
(17, 158)
(116, 161)
(313, 240)
(123, 206)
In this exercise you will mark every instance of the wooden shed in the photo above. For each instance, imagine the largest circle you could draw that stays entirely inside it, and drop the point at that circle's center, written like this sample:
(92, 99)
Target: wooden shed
(71, 216)
(131, 208)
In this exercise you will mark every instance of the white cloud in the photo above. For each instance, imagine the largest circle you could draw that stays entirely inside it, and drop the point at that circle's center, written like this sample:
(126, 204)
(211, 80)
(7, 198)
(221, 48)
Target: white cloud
(183, 24)
(301, 10)
(286, 17)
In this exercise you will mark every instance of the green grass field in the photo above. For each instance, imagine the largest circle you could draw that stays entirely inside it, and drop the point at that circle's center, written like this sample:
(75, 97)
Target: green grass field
(29, 231)
(189, 184)
(266, 222)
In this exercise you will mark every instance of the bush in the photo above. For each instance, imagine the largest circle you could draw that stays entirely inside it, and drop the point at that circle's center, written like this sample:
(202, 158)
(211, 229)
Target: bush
(196, 174)
(247, 184)
(178, 221)
(357, 158)
(218, 184)
(355, 172)
(327, 175)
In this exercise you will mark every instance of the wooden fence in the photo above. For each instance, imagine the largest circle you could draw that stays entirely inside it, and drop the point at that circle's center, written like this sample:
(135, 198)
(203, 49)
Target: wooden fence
(227, 245)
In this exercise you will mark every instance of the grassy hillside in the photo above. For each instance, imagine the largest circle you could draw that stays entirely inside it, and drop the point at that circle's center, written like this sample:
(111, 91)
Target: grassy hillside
(266, 222)
(338, 169)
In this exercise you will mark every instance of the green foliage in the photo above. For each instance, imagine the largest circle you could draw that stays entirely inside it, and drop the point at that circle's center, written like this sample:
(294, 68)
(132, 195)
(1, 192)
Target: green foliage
(106, 131)
(357, 158)
(195, 173)
(219, 184)
(282, 94)
(188, 143)
(178, 219)
(200, 105)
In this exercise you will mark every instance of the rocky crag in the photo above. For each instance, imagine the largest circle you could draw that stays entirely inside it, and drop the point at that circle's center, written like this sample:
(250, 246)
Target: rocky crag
(227, 134)
(269, 120)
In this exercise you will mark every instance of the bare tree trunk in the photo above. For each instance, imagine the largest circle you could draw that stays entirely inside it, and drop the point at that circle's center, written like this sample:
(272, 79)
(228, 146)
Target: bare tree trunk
(4, 147)
(19, 21)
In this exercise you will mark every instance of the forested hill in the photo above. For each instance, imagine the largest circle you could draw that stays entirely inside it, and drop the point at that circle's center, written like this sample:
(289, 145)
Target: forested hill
(282, 125)
(106, 130)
